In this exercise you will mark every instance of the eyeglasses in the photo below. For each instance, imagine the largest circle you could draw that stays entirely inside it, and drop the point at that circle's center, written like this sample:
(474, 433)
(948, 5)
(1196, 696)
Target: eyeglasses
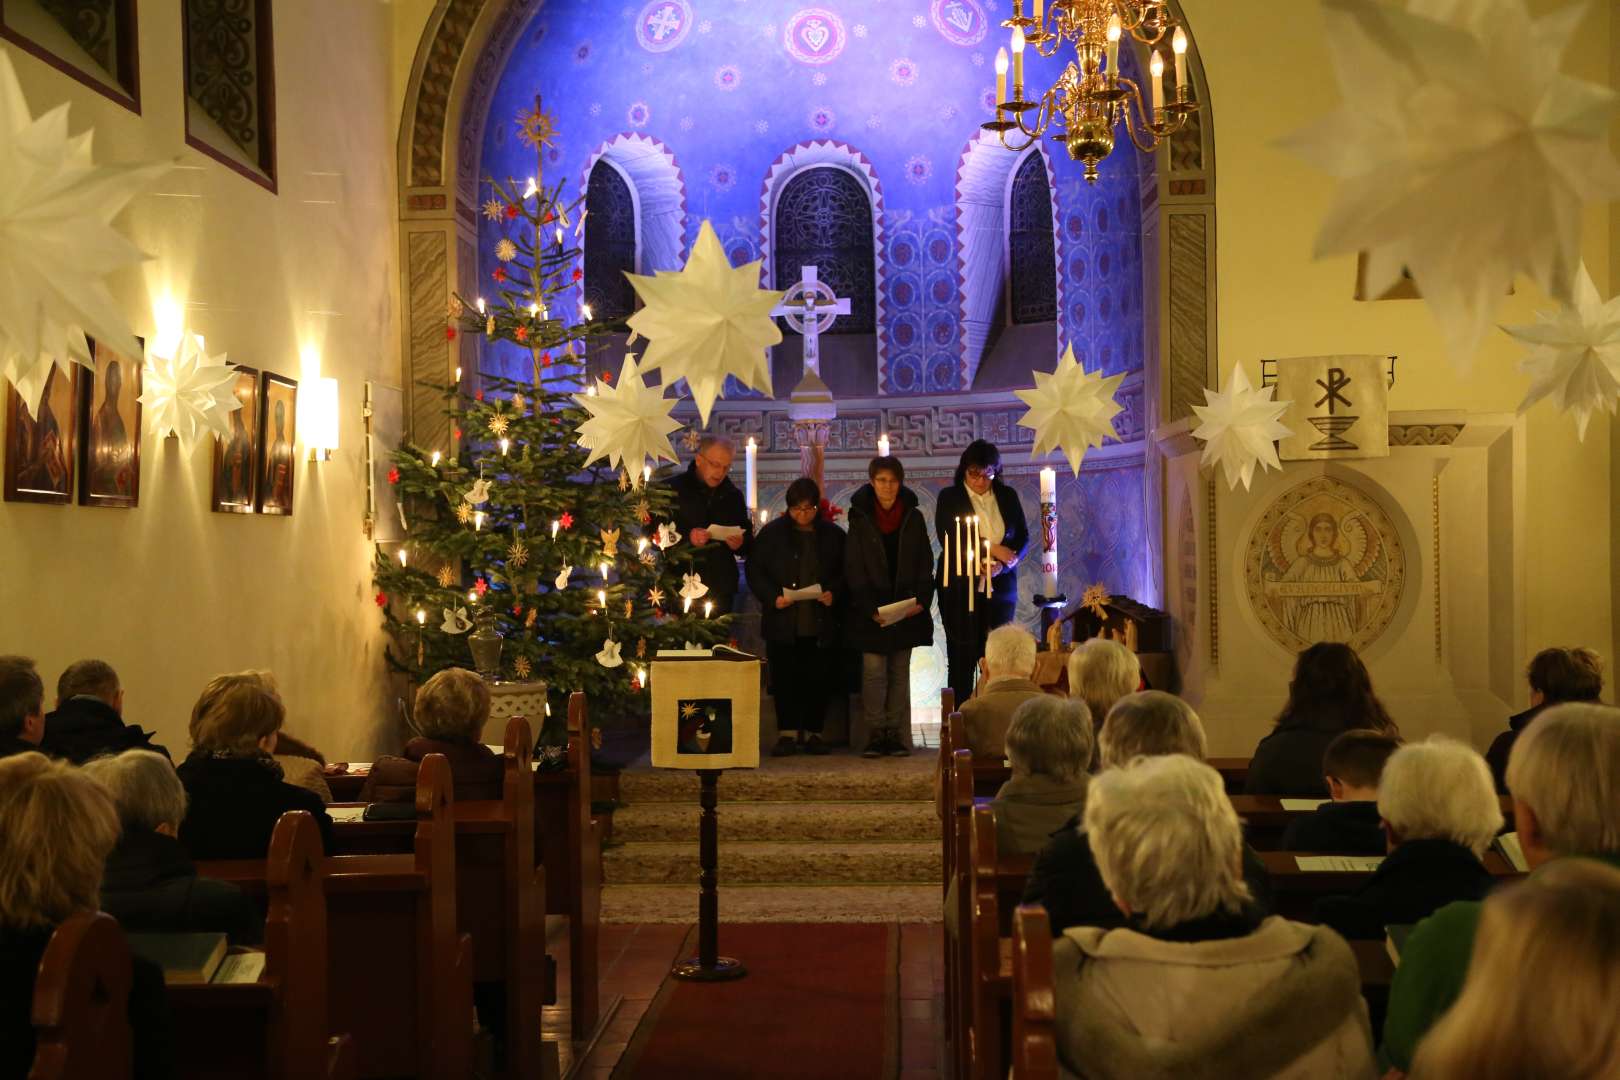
(713, 464)
(806, 509)
(988, 473)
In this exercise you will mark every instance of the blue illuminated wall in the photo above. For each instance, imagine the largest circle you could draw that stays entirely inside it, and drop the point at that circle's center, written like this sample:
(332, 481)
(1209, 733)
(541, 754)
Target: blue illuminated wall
(726, 89)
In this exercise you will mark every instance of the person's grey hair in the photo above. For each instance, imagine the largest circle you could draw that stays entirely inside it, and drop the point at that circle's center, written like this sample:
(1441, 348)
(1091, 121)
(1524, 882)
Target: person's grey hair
(94, 678)
(1149, 723)
(1566, 768)
(144, 786)
(1440, 789)
(1101, 672)
(1050, 736)
(1009, 650)
(705, 442)
(453, 704)
(1166, 840)
(22, 693)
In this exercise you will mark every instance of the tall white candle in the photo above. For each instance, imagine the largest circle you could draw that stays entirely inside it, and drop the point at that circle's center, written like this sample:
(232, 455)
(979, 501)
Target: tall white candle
(945, 561)
(1049, 578)
(958, 547)
(749, 452)
(1156, 69)
(1018, 60)
(1001, 77)
(1178, 46)
(1115, 30)
(883, 445)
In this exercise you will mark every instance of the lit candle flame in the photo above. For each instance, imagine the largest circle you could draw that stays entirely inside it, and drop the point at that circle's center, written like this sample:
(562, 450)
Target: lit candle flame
(436, 456)
(555, 525)
(708, 608)
(604, 573)
(458, 373)
(478, 520)
(421, 617)
(472, 596)
(585, 310)
(480, 305)
(601, 598)
(402, 556)
(505, 445)
(646, 473)
(533, 189)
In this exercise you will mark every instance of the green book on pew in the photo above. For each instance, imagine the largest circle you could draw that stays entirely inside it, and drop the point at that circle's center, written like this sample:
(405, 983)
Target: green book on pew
(186, 959)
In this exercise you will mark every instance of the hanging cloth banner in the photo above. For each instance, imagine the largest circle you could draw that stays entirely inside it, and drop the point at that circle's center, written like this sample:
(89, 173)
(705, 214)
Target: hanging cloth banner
(1340, 407)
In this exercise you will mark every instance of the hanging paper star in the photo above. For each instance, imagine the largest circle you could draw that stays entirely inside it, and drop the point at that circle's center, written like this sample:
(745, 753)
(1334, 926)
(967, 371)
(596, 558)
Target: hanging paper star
(447, 577)
(1574, 355)
(1070, 409)
(692, 587)
(561, 580)
(189, 394)
(517, 556)
(609, 656)
(498, 424)
(629, 422)
(666, 537)
(478, 493)
(1463, 154)
(455, 622)
(707, 321)
(655, 596)
(1240, 427)
(57, 242)
(521, 668)
(464, 512)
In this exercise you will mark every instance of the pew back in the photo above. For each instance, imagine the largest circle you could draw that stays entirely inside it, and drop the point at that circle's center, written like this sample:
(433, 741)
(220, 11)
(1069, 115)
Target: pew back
(81, 1002)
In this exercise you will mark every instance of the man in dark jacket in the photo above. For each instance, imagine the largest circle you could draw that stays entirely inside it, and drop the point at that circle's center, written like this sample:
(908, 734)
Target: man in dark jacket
(88, 720)
(705, 496)
(1556, 676)
(22, 706)
(1349, 824)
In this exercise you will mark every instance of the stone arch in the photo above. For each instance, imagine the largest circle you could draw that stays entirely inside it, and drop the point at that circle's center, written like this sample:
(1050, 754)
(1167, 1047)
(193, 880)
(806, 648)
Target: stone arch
(832, 153)
(659, 189)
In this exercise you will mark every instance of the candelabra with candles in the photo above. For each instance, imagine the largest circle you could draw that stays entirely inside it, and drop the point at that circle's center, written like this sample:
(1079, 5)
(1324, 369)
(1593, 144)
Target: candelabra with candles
(1091, 97)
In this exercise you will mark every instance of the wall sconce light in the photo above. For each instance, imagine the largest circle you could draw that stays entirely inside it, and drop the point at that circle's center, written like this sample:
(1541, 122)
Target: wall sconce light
(322, 414)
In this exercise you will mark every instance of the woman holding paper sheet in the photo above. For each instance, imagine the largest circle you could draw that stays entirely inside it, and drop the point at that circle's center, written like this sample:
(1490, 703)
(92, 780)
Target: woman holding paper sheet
(889, 564)
(982, 534)
(797, 572)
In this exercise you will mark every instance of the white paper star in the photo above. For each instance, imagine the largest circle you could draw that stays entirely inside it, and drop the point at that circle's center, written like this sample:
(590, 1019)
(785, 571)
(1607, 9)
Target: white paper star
(1240, 427)
(561, 580)
(609, 656)
(57, 242)
(707, 321)
(1070, 409)
(667, 536)
(1574, 355)
(629, 421)
(1463, 154)
(455, 622)
(190, 393)
(692, 587)
(478, 494)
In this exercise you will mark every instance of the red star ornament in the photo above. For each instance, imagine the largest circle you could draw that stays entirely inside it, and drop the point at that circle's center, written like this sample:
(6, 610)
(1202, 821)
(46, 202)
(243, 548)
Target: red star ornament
(450, 333)
(499, 273)
(393, 476)
(382, 599)
(521, 333)
(481, 586)
(512, 210)
(567, 520)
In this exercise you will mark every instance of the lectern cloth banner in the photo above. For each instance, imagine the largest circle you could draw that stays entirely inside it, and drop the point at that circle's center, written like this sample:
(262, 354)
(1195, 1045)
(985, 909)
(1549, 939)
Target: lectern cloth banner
(1340, 407)
(705, 713)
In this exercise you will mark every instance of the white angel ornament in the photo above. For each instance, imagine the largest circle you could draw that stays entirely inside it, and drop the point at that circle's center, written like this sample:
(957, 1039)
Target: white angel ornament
(692, 587)
(561, 581)
(609, 656)
(478, 494)
(455, 622)
(667, 536)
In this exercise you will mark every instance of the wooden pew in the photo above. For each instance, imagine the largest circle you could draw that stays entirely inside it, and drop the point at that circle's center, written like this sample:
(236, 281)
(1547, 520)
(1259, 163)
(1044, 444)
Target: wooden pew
(1234, 771)
(990, 959)
(1034, 1002)
(81, 1003)
(959, 957)
(949, 731)
(399, 975)
(1265, 819)
(275, 1028)
(570, 844)
(500, 897)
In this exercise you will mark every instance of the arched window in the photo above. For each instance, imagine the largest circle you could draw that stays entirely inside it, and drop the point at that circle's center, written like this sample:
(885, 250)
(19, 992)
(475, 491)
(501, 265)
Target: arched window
(824, 219)
(610, 243)
(1033, 273)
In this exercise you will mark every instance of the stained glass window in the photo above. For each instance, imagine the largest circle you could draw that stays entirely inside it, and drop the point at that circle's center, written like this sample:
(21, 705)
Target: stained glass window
(824, 219)
(610, 243)
(1033, 272)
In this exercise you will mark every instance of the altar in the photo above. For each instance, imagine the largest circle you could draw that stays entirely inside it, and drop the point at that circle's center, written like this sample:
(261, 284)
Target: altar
(1416, 559)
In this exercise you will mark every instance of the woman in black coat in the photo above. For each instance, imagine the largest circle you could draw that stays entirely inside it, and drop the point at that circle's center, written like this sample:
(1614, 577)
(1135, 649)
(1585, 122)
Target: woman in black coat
(798, 550)
(977, 490)
(889, 560)
(1331, 693)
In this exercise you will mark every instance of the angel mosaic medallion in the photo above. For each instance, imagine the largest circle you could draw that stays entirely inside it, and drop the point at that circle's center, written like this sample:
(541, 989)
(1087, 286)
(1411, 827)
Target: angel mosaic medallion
(1324, 563)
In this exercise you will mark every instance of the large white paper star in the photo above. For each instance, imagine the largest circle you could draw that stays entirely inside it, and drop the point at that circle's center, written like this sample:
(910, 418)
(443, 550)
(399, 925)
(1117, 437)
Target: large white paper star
(1574, 354)
(629, 421)
(1240, 427)
(1462, 153)
(1070, 409)
(707, 321)
(57, 242)
(189, 394)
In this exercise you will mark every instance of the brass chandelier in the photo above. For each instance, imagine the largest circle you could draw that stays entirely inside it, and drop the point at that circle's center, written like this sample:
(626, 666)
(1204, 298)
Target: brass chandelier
(1091, 97)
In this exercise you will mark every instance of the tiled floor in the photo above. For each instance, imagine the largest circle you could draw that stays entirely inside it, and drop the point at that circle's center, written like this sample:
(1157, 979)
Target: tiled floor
(635, 958)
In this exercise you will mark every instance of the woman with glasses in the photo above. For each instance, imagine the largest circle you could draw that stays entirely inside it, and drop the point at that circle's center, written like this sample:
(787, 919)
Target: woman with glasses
(977, 491)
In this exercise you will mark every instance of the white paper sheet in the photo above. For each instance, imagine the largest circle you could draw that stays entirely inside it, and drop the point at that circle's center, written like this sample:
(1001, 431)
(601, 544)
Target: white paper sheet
(1302, 804)
(684, 652)
(1513, 851)
(242, 967)
(346, 813)
(1349, 864)
(724, 532)
(809, 592)
(889, 614)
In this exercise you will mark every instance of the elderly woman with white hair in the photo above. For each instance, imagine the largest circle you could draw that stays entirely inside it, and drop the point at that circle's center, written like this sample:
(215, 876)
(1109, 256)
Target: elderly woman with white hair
(1439, 811)
(1100, 673)
(1049, 747)
(1196, 983)
(150, 884)
(1064, 879)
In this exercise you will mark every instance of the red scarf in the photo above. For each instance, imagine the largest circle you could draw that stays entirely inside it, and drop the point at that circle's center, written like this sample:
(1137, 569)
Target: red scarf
(888, 520)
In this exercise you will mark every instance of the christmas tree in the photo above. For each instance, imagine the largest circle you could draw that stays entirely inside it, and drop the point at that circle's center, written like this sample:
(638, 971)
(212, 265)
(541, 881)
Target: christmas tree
(539, 529)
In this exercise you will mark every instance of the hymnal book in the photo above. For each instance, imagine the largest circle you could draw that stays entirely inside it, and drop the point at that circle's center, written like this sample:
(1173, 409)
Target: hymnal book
(1302, 804)
(186, 959)
(809, 592)
(242, 967)
(1344, 864)
(346, 813)
(724, 532)
(359, 768)
(1508, 844)
(1395, 940)
(889, 614)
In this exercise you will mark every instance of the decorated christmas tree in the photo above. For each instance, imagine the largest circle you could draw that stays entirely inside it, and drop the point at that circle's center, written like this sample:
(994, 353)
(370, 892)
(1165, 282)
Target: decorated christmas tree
(531, 550)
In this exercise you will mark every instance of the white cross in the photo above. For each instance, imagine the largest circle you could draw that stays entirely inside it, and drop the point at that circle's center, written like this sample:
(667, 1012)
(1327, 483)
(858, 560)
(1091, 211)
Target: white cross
(810, 308)
(664, 22)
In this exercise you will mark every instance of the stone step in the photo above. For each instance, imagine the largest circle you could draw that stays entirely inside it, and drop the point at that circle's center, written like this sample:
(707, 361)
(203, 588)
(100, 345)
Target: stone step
(839, 777)
(775, 863)
(781, 821)
(775, 904)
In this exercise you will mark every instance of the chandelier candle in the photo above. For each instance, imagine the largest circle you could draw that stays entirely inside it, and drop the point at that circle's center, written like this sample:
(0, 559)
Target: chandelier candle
(1001, 79)
(1156, 68)
(1115, 29)
(1018, 62)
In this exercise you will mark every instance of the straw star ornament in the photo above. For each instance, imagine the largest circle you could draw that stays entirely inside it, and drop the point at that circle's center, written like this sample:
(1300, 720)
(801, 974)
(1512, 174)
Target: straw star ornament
(1574, 355)
(1239, 428)
(1070, 409)
(707, 321)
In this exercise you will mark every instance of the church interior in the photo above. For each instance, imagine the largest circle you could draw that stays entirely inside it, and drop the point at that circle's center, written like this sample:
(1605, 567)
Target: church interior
(741, 538)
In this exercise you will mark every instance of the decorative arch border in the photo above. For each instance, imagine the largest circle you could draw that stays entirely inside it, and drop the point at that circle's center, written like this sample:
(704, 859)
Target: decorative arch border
(658, 188)
(984, 176)
(828, 153)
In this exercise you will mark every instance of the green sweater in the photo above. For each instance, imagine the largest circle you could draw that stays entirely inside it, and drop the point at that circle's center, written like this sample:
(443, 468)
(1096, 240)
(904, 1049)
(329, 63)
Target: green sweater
(1430, 976)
